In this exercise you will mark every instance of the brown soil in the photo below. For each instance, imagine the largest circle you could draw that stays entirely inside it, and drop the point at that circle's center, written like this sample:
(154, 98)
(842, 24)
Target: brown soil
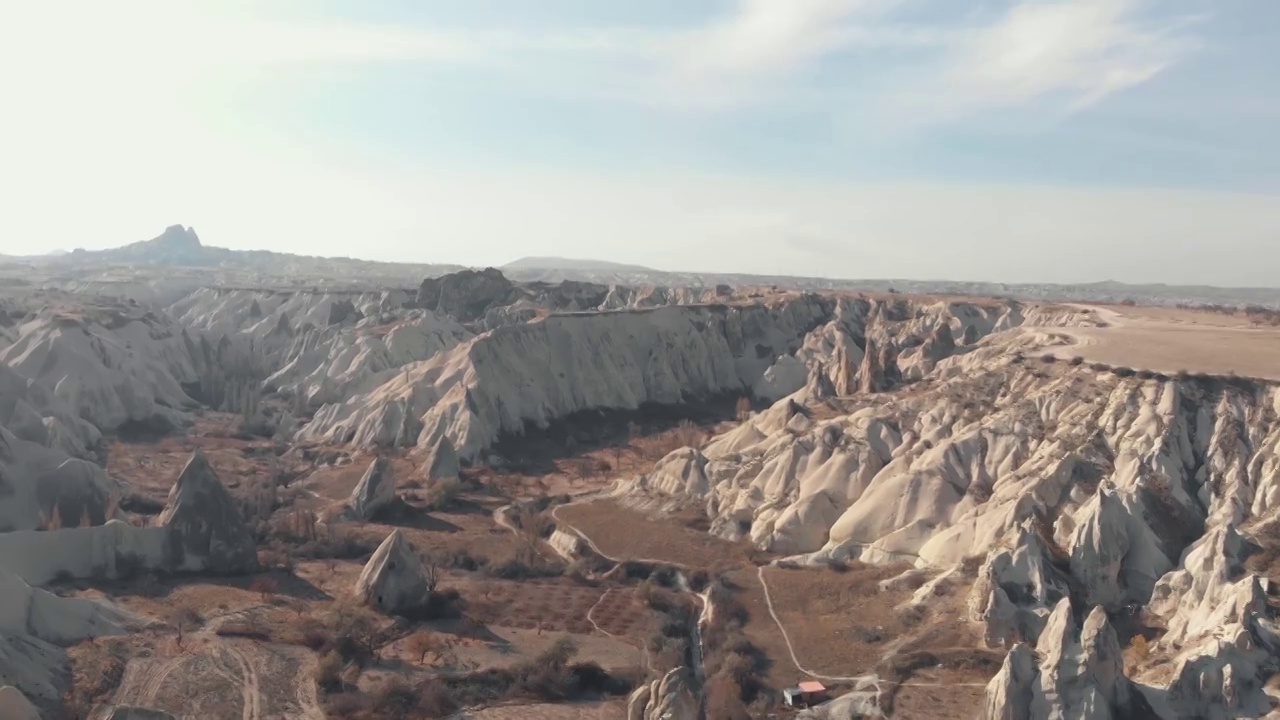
(938, 694)
(555, 604)
(762, 631)
(625, 533)
(615, 710)
(840, 624)
(1172, 341)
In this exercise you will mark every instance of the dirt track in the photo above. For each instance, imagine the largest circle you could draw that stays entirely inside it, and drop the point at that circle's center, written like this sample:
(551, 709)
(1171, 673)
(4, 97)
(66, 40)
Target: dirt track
(224, 679)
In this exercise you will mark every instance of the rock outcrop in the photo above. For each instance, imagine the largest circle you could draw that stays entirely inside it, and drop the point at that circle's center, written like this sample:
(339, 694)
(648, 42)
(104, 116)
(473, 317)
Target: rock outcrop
(393, 580)
(375, 491)
(1017, 588)
(1080, 674)
(15, 706)
(669, 698)
(441, 465)
(544, 370)
(116, 367)
(32, 625)
(39, 485)
(206, 531)
(466, 295)
(34, 413)
(879, 370)
(343, 311)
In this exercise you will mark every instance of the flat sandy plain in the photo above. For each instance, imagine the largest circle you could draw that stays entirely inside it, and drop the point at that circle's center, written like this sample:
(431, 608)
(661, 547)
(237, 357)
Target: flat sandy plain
(1170, 340)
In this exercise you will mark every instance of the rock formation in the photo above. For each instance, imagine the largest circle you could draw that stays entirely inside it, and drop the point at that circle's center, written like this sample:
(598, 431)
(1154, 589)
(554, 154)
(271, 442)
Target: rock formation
(1017, 588)
(39, 485)
(206, 531)
(34, 413)
(15, 706)
(393, 580)
(1080, 674)
(32, 625)
(538, 372)
(441, 466)
(669, 698)
(113, 366)
(341, 311)
(879, 370)
(375, 491)
(466, 295)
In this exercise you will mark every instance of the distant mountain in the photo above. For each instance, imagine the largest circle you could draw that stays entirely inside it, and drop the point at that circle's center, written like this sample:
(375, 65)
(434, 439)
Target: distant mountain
(558, 263)
(180, 247)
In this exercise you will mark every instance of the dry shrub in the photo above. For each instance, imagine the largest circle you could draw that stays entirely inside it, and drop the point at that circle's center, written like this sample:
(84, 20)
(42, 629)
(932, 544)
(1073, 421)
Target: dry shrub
(394, 700)
(1140, 648)
(329, 671)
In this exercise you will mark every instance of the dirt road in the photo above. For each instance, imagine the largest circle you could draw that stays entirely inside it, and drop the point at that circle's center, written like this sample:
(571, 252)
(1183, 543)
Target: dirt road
(216, 678)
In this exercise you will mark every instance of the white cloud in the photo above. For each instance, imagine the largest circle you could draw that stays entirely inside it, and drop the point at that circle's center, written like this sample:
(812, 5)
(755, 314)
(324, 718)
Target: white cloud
(1084, 50)
(765, 36)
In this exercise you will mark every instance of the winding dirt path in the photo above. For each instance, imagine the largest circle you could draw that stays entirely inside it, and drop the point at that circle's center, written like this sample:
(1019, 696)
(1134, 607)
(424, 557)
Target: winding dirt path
(250, 685)
(307, 697)
(862, 683)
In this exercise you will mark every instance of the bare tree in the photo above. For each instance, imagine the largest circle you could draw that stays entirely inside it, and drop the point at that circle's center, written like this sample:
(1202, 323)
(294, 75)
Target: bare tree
(431, 570)
(265, 585)
(427, 643)
(184, 617)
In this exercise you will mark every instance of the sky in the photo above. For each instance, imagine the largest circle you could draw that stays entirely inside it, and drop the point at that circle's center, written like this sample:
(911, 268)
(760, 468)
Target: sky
(999, 140)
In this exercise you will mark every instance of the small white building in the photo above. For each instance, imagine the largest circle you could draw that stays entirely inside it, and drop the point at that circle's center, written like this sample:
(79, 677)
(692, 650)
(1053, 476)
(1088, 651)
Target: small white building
(806, 694)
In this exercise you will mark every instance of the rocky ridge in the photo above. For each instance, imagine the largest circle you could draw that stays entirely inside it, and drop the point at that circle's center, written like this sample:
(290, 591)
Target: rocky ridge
(1078, 490)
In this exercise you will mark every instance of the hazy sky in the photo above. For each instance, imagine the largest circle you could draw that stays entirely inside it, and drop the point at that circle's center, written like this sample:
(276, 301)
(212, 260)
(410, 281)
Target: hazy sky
(978, 139)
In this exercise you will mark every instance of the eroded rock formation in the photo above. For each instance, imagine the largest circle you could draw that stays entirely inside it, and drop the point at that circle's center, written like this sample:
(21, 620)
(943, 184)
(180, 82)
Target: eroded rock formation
(206, 531)
(375, 491)
(393, 580)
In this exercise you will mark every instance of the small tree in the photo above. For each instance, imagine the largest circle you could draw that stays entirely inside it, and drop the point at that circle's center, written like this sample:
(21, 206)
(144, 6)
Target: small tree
(184, 617)
(743, 408)
(266, 586)
(431, 570)
(427, 643)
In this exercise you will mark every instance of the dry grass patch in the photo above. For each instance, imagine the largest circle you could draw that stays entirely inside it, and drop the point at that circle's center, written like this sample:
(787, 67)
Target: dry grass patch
(839, 622)
(554, 605)
(762, 631)
(625, 533)
(938, 695)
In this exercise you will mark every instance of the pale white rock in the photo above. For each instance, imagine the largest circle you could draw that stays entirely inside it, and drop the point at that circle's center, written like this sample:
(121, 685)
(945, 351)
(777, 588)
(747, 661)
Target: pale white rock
(393, 580)
(782, 378)
(112, 367)
(669, 698)
(441, 465)
(1016, 589)
(38, 483)
(32, 623)
(681, 473)
(566, 544)
(206, 531)
(538, 372)
(110, 551)
(1009, 692)
(32, 412)
(1080, 674)
(15, 706)
(375, 491)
